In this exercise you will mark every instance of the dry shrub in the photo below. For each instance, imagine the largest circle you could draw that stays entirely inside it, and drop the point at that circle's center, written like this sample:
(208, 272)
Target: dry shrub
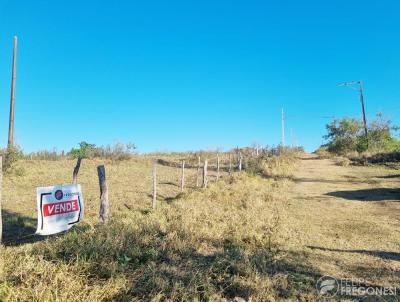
(278, 166)
(323, 153)
(342, 161)
(10, 157)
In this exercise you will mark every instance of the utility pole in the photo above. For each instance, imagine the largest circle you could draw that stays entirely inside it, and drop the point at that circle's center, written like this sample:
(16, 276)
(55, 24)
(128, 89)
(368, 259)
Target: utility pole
(283, 129)
(291, 137)
(12, 99)
(351, 85)
(363, 111)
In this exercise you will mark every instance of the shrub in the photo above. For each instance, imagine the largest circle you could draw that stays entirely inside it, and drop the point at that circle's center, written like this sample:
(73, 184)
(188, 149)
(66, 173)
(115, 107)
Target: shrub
(85, 150)
(10, 156)
(323, 152)
(342, 161)
(118, 151)
(45, 155)
(347, 135)
(278, 162)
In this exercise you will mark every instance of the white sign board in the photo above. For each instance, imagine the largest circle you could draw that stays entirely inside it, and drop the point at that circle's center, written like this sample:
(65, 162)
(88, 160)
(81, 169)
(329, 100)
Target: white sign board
(59, 208)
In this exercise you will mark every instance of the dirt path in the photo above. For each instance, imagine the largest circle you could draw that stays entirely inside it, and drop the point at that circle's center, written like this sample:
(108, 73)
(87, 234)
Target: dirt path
(347, 219)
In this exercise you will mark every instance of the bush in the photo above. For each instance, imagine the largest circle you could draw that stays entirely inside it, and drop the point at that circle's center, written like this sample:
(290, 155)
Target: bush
(10, 156)
(347, 136)
(278, 162)
(85, 150)
(118, 151)
(45, 155)
(342, 161)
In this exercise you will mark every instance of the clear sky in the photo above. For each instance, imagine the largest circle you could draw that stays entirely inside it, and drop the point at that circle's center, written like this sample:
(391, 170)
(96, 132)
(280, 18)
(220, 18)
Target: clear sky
(184, 75)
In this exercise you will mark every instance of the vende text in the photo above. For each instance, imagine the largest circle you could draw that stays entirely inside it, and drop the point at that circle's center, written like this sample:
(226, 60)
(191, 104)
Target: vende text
(58, 208)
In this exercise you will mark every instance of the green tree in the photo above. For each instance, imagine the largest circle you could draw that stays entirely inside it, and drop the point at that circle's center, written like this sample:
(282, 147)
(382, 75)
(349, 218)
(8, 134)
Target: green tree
(347, 135)
(343, 135)
(85, 150)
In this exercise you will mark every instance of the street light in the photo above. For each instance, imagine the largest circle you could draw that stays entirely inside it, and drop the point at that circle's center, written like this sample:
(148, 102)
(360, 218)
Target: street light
(351, 84)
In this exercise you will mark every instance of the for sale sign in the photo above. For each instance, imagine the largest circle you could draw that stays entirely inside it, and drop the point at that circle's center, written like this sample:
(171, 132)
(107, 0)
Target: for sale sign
(59, 208)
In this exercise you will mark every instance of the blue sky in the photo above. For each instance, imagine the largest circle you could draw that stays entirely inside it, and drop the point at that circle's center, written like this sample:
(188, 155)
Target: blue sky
(184, 75)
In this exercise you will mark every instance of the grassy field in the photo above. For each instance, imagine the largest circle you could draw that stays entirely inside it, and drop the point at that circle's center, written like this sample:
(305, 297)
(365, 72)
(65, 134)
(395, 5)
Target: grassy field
(258, 238)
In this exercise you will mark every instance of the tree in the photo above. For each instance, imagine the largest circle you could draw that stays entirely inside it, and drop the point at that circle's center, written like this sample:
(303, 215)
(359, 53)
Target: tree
(343, 135)
(346, 135)
(85, 150)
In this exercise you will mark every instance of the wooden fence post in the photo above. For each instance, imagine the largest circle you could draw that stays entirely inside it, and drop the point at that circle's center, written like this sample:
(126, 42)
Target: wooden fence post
(1, 187)
(205, 177)
(240, 161)
(230, 163)
(183, 177)
(104, 204)
(217, 167)
(154, 185)
(198, 174)
(76, 171)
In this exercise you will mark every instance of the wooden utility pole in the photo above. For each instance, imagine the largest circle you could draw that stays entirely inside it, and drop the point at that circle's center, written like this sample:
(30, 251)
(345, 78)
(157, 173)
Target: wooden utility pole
(351, 84)
(205, 177)
(76, 171)
(198, 173)
(183, 177)
(283, 128)
(12, 99)
(1, 187)
(154, 204)
(363, 112)
(230, 163)
(217, 167)
(104, 204)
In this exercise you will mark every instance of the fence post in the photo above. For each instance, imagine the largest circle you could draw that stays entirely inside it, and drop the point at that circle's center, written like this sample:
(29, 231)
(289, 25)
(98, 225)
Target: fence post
(230, 162)
(205, 178)
(1, 188)
(76, 171)
(198, 173)
(240, 161)
(183, 176)
(104, 204)
(154, 185)
(218, 167)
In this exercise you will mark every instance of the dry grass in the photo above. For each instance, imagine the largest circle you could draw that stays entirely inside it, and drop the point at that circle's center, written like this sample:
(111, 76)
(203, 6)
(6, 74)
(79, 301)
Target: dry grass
(262, 239)
(201, 245)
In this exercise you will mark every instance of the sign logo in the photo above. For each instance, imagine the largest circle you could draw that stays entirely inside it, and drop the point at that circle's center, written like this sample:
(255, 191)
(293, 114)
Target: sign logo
(327, 286)
(59, 194)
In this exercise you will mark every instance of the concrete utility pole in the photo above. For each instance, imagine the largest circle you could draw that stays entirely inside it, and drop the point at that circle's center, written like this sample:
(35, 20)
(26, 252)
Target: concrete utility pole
(351, 85)
(283, 129)
(12, 99)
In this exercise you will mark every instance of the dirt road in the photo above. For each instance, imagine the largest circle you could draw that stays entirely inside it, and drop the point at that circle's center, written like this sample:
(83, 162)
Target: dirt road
(347, 219)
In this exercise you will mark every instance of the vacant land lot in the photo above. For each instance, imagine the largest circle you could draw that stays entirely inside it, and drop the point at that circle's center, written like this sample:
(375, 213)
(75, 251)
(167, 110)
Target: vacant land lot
(261, 239)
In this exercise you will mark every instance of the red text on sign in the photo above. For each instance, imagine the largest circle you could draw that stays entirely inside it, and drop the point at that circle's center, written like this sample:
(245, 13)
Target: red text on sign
(58, 208)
